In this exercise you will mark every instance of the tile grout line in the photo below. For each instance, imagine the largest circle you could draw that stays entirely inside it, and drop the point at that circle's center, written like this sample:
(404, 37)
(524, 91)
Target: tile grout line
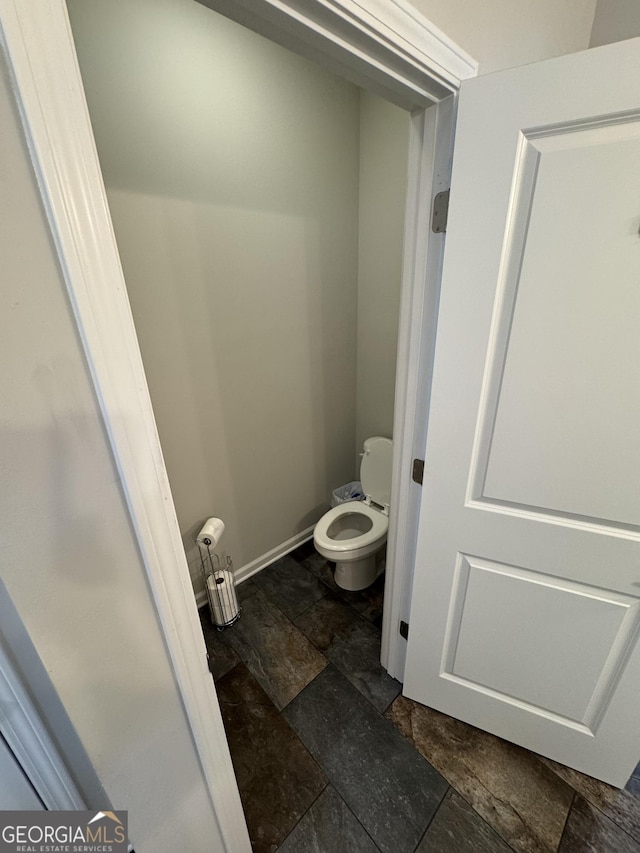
(291, 620)
(308, 607)
(592, 804)
(305, 609)
(433, 816)
(604, 815)
(453, 788)
(333, 591)
(566, 820)
(308, 810)
(355, 817)
(320, 651)
(300, 692)
(293, 624)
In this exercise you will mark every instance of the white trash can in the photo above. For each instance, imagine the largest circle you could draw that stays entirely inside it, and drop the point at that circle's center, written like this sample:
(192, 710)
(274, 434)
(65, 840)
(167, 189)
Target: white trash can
(349, 492)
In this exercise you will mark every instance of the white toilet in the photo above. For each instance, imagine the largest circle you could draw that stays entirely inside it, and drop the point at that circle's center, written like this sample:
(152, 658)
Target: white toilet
(353, 535)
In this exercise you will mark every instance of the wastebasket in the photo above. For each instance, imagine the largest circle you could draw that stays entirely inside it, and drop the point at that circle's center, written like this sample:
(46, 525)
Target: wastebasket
(349, 492)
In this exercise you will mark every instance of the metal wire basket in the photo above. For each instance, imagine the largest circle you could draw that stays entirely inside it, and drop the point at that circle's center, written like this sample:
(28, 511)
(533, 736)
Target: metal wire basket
(219, 583)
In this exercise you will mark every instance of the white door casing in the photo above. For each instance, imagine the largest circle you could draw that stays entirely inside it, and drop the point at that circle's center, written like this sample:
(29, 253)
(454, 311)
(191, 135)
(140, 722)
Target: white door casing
(16, 791)
(526, 600)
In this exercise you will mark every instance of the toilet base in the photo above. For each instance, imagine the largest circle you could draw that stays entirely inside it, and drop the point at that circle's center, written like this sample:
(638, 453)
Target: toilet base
(354, 575)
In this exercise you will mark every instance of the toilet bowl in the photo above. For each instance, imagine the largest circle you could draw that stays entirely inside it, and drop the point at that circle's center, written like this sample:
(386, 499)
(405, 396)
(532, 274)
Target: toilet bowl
(353, 535)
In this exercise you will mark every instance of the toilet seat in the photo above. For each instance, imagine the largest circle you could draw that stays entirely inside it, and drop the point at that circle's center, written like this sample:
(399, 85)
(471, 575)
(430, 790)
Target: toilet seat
(353, 545)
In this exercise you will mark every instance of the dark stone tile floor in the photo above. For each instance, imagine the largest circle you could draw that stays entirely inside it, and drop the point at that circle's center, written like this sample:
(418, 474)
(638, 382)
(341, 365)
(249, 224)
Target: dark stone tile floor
(330, 758)
(386, 783)
(278, 655)
(524, 801)
(272, 801)
(328, 819)
(352, 644)
(457, 827)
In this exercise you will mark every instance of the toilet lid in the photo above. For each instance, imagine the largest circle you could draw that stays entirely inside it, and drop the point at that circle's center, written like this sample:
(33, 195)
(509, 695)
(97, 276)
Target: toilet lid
(375, 469)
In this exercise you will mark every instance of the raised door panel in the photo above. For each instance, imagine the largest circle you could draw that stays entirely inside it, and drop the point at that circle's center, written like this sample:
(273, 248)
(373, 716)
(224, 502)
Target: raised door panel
(563, 391)
(513, 634)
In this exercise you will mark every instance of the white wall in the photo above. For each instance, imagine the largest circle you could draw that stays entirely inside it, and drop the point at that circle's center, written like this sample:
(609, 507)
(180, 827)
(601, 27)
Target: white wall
(231, 168)
(503, 33)
(384, 147)
(615, 20)
(69, 557)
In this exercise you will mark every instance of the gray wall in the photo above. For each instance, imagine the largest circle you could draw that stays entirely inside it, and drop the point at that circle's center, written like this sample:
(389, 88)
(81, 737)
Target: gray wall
(231, 169)
(615, 20)
(384, 146)
(69, 558)
(504, 33)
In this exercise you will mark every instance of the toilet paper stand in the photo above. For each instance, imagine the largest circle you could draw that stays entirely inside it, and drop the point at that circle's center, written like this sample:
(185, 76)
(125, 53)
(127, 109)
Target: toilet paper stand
(219, 582)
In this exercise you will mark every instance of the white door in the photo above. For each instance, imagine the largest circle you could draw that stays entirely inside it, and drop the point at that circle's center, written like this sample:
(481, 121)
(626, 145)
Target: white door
(526, 600)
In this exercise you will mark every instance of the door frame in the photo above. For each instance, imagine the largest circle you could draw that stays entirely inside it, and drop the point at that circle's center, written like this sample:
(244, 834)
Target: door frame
(25, 687)
(387, 47)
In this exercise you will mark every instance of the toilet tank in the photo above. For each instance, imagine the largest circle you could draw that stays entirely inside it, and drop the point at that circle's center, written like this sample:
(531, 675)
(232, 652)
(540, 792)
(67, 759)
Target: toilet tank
(376, 469)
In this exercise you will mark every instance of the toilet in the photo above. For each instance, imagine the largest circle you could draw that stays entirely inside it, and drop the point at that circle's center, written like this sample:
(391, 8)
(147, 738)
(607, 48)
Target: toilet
(353, 535)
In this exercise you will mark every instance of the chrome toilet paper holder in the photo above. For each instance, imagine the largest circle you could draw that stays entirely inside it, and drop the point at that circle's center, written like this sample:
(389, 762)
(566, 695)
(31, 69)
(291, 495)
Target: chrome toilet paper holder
(219, 583)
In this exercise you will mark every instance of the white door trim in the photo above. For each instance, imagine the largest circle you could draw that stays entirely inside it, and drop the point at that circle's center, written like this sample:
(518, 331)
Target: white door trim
(41, 57)
(35, 725)
(28, 738)
(386, 46)
(429, 172)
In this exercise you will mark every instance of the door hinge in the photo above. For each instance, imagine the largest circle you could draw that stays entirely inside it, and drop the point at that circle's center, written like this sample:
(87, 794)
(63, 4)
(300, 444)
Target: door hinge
(440, 212)
(404, 630)
(417, 471)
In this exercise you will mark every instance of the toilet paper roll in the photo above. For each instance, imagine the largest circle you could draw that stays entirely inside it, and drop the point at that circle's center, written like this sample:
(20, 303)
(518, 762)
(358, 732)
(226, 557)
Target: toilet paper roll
(223, 599)
(210, 534)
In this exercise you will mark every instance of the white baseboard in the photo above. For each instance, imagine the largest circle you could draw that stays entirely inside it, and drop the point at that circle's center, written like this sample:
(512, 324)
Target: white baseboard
(247, 571)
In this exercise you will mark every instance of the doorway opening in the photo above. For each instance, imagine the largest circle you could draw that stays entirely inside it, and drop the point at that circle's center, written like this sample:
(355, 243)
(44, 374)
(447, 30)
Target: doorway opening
(258, 205)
